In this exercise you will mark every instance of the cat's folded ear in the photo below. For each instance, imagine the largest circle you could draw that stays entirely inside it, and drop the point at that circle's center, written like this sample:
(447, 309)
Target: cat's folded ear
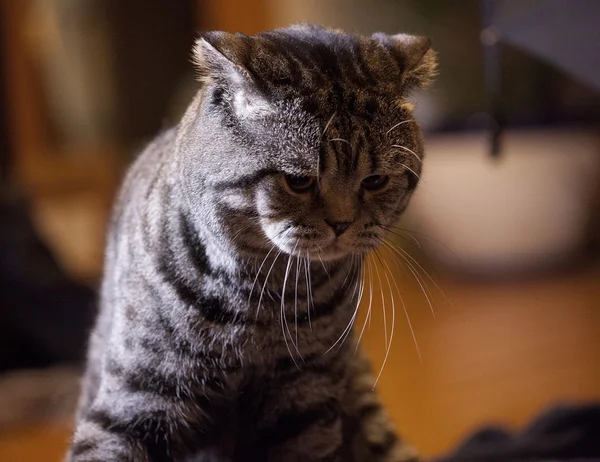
(414, 55)
(219, 57)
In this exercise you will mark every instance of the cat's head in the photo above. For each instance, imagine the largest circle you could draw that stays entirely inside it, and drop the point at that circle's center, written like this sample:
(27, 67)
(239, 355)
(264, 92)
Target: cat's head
(303, 137)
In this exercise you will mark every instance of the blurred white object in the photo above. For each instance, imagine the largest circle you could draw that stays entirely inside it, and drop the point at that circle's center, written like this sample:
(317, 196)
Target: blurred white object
(529, 209)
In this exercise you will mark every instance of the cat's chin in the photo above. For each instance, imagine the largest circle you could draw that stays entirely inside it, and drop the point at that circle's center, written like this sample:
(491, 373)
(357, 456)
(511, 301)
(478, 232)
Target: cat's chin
(340, 253)
(324, 249)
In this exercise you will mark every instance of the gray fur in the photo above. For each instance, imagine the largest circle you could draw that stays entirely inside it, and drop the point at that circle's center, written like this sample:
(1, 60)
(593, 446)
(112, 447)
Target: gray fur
(211, 344)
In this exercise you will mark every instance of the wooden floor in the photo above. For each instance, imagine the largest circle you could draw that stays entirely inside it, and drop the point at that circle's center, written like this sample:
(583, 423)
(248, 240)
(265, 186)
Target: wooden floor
(500, 352)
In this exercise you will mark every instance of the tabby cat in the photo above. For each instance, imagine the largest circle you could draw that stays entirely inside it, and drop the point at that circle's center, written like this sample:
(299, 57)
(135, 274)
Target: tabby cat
(234, 257)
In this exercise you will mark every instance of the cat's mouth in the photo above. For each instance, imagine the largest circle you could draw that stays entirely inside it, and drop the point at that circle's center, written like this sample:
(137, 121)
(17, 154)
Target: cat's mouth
(315, 245)
(327, 251)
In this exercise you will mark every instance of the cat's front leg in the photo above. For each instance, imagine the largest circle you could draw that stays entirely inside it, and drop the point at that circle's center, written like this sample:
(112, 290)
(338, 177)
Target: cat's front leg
(130, 422)
(301, 419)
(369, 433)
(316, 436)
(94, 441)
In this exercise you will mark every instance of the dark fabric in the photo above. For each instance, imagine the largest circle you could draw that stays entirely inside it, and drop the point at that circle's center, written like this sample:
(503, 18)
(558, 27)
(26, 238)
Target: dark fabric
(45, 317)
(561, 434)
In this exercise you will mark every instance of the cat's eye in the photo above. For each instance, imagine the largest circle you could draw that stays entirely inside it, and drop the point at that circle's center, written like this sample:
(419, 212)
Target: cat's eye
(299, 184)
(375, 182)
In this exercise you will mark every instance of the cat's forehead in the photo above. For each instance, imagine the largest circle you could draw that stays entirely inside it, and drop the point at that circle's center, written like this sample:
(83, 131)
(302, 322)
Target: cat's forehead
(339, 144)
(318, 64)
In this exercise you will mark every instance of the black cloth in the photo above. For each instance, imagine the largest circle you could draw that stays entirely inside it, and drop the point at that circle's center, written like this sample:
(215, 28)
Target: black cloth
(45, 317)
(564, 433)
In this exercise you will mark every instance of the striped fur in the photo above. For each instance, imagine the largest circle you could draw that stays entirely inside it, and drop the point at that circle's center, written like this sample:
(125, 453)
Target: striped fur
(224, 290)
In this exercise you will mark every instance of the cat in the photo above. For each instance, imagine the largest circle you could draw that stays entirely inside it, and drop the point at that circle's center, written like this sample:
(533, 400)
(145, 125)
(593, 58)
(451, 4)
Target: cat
(234, 257)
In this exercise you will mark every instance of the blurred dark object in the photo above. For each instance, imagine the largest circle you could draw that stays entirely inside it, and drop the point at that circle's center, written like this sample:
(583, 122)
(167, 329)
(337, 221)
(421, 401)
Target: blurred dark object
(491, 69)
(563, 433)
(151, 44)
(561, 32)
(45, 316)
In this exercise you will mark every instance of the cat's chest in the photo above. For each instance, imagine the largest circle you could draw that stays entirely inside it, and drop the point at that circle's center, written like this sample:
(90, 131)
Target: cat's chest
(266, 340)
(249, 406)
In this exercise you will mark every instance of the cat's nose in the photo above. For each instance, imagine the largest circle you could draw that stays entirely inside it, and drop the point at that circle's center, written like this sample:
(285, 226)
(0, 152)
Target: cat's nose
(338, 226)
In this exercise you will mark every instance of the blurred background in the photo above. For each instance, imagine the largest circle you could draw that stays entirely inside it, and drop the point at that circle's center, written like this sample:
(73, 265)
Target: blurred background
(500, 241)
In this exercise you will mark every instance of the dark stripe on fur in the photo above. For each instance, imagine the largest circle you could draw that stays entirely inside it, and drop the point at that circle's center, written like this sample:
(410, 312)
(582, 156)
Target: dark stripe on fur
(293, 423)
(212, 309)
(83, 446)
(244, 181)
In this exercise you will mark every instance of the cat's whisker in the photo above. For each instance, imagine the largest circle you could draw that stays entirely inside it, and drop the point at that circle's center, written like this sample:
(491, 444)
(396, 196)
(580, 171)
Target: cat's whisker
(350, 270)
(329, 123)
(424, 235)
(319, 172)
(402, 263)
(253, 221)
(240, 231)
(284, 326)
(397, 125)
(417, 243)
(322, 263)
(440, 290)
(422, 283)
(410, 326)
(258, 272)
(389, 347)
(410, 237)
(296, 298)
(344, 335)
(309, 298)
(265, 283)
(371, 290)
(340, 139)
(411, 170)
(282, 318)
(385, 333)
(399, 146)
(368, 315)
(361, 285)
